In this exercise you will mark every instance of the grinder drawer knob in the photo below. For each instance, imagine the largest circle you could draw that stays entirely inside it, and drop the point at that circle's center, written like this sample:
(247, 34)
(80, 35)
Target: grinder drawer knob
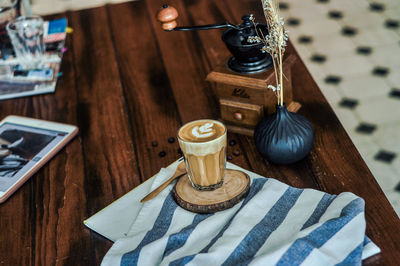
(167, 16)
(238, 116)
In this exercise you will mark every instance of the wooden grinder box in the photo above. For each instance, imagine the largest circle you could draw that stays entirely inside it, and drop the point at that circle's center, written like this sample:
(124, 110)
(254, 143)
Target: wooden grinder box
(244, 99)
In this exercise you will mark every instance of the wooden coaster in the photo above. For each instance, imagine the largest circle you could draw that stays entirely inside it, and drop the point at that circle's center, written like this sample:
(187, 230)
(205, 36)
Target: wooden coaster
(235, 187)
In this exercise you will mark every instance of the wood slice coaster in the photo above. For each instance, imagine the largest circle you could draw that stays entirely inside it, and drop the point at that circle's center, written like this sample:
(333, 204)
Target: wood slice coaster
(235, 187)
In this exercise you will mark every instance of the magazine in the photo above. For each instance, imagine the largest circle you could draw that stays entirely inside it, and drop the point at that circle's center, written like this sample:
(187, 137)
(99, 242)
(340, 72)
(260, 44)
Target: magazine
(15, 82)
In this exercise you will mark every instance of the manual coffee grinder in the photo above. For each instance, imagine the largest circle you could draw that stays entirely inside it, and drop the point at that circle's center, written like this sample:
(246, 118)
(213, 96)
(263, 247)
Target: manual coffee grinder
(241, 83)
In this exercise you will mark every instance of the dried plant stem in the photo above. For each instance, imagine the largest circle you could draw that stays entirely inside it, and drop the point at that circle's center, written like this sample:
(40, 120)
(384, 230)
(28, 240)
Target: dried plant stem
(274, 43)
(281, 77)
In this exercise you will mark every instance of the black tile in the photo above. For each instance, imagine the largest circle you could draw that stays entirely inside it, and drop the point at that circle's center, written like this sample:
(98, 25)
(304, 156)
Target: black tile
(380, 71)
(395, 93)
(349, 31)
(348, 103)
(293, 21)
(385, 156)
(318, 58)
(283, 6)
(364, 50)
(397, 187)
(305, 39)
(376, 7)
(392, 24)
(365, 128)
(331, 79)
(334, 14)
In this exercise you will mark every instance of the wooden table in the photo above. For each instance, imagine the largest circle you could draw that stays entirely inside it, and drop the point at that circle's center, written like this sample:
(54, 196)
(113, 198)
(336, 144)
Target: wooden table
(126, 83)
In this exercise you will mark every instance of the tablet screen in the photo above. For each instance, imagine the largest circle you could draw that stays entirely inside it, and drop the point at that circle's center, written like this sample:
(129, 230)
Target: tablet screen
(21, 148)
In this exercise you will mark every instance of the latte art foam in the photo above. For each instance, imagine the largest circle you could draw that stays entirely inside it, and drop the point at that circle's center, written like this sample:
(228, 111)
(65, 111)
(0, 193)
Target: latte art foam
(201, 131)
(204, 131)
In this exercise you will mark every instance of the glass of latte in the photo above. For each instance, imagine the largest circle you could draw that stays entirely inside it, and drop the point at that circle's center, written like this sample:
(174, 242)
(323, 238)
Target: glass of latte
(203, 143)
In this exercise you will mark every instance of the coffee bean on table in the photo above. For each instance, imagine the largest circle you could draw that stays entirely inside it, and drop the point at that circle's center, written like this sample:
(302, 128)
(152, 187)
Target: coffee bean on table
(236, 152)
(232, 142)
(154, 144)
(171, 140)
(162, 153)
(229, 157)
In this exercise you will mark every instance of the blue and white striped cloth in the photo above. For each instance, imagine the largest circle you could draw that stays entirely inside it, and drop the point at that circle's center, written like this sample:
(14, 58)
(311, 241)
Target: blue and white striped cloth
(274, 225)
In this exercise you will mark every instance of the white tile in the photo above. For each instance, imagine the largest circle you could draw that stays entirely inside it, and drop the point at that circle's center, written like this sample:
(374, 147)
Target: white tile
(392, 13)
(317, 69)
(321, 27)
(307, 12)
(396, 164)
(364, 86)
(320, 80)
(303, 51)
(333, 44)
(379, 110)
(362, 20)
(294, 35)
(394, 199)
(331, 94)
(394, 77)
(384, 174)
(367, 149)
(349, 65)
(390, 4)
(293, 4)
(373, 37)
(387, 55)
(387, 136)
(351, 7)
(347, 117)
(359, 139)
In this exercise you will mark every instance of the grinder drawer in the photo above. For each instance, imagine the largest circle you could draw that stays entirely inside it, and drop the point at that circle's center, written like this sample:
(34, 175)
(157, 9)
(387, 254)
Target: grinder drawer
(241, 113)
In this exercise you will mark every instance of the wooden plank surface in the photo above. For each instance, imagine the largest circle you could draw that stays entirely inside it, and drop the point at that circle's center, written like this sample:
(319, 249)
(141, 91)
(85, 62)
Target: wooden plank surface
(126, 84)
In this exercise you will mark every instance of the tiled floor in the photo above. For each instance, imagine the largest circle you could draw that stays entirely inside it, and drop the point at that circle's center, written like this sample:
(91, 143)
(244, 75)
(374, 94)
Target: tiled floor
(352, 48)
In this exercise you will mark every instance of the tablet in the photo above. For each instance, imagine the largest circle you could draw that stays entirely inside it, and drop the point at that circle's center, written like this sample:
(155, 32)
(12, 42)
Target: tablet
(26, 144)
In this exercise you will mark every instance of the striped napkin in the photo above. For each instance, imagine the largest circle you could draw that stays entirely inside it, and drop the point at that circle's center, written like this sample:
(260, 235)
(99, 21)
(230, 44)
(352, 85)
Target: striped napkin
(274, 225)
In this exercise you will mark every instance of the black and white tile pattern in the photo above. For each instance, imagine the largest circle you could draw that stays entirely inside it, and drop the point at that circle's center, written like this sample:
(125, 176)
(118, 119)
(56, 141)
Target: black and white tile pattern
(352, 49)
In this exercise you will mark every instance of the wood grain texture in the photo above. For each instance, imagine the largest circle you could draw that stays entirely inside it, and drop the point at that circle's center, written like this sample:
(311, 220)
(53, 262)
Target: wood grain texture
(127, 84)
(234, 188)
(148, 94)
(241, 113)
(258, 81)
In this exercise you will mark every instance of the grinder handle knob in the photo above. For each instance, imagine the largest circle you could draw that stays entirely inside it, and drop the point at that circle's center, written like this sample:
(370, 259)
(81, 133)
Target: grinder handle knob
(167, 16)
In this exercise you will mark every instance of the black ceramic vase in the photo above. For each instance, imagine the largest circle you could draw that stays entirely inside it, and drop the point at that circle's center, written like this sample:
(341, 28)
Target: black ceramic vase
(284, 137)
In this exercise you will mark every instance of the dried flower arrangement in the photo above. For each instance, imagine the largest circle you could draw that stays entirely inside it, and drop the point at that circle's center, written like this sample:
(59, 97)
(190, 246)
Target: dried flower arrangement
(274, 43)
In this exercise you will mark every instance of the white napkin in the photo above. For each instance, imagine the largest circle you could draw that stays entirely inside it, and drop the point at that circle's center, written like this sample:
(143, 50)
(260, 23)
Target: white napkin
(275, 225)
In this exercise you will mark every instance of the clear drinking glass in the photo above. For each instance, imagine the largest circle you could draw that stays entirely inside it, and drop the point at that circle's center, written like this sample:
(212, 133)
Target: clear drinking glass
(9, 10)
(26, 34)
